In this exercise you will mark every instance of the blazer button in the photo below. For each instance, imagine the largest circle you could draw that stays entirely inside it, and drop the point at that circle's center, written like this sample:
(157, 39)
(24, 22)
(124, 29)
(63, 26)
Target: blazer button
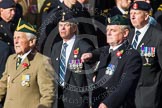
(106, 88)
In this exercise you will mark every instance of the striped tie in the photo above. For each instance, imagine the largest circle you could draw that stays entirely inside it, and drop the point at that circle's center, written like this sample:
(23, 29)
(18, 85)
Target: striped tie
(18, 62)
(136, 40)
(63, 63)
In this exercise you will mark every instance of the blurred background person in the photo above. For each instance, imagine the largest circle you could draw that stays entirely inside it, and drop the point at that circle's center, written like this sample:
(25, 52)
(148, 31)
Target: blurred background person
(7, 24)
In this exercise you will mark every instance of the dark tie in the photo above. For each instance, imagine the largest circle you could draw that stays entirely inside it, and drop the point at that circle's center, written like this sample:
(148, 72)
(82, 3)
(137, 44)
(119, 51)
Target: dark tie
(134, 44)
(63, 63)
(18, 62)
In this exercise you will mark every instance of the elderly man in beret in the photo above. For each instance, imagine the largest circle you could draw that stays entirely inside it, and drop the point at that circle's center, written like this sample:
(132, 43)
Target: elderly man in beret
(28, 79)
(148, 41)
(119, 69)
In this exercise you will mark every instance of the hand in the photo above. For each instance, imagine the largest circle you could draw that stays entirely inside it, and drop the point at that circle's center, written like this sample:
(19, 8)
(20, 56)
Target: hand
(102, 105)
(86, 57)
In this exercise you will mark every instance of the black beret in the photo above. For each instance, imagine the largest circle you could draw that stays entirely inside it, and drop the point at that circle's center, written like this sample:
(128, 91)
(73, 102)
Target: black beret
(140, 5)
(118, 20)
(68, 17)
(7, 4)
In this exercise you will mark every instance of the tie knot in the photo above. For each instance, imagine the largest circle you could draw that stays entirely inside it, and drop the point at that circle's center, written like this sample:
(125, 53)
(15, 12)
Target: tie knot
(110, 50)
(19, 59)
(65, 45)
(138, 32)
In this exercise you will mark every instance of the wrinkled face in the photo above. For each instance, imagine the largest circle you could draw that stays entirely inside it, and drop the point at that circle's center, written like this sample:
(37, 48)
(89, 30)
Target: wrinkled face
(66, 30)
(125, 4)
(21, 43)
(115, 35)
(139, 18)
(7, 14)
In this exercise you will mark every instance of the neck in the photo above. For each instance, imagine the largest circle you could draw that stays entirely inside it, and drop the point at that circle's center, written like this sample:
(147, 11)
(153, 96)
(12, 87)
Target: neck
(68, 4)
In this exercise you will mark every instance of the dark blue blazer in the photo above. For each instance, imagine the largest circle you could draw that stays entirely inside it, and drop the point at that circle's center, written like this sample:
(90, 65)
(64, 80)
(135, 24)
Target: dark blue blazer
(71, 96)
(148, 92)
(117, 90)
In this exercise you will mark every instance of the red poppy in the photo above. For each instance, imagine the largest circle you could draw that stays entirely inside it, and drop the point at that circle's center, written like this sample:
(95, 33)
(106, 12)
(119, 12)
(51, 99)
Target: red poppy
(76, 51)
(25, 65)
(119, 53)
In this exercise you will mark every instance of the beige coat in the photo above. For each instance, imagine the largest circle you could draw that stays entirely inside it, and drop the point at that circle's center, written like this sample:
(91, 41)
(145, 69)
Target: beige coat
(31, 85)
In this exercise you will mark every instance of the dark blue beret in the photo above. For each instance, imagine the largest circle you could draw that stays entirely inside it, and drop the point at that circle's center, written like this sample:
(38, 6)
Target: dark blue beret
(140, 5)
(7, 4)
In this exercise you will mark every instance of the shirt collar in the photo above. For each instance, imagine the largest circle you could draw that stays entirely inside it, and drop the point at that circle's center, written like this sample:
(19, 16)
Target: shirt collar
(71, 40)
(144, 29)
(25, 55)
(116, 47)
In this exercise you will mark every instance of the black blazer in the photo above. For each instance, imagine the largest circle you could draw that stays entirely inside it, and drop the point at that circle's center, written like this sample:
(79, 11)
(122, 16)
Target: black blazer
(148, 93)
(71, 96)
(5, 51)
(117, 90)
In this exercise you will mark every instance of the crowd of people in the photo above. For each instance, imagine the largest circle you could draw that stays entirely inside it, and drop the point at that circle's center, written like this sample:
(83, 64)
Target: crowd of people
(80, 54)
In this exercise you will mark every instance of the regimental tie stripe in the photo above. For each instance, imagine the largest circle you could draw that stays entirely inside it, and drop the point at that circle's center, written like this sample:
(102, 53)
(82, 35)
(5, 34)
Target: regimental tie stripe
(18, 62)
(136, 40)
(63, 63)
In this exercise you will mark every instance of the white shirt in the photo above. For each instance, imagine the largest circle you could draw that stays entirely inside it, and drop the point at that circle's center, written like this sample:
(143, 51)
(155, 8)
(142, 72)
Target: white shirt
(143, 31)
(114, 48)
(69, 47)
(24, 56)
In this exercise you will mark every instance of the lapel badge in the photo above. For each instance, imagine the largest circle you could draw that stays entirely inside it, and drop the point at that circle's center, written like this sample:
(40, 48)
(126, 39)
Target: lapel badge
(76, 52)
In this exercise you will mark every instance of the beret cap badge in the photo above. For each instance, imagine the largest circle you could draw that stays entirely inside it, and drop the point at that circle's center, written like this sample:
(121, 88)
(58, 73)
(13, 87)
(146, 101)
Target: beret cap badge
(135, 6)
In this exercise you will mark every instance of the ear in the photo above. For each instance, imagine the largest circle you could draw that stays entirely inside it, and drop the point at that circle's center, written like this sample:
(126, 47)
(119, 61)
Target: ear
(74, 28)
(126, 32)
(32, 42)
(147, 16)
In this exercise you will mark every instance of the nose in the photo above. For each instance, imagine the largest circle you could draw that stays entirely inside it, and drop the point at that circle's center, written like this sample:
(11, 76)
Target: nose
(15, 40)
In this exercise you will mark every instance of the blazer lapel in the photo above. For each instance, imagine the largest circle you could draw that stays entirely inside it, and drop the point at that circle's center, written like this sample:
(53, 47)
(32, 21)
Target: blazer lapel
(71, 57)
(56, 57)
(146, 38)
(23, 66)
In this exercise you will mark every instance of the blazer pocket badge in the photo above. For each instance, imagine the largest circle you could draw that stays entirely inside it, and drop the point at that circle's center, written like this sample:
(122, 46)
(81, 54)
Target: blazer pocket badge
(25, 80)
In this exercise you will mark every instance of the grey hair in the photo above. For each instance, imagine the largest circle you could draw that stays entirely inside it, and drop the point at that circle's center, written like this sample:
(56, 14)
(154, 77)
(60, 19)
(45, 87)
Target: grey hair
(31, 36)
(123, 27)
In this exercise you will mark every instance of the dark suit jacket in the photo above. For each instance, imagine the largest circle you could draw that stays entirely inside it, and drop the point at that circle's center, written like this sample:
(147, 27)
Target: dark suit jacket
(149, 87)
(70, 96)
(4, 53)
(114, 11)
(118, 90)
